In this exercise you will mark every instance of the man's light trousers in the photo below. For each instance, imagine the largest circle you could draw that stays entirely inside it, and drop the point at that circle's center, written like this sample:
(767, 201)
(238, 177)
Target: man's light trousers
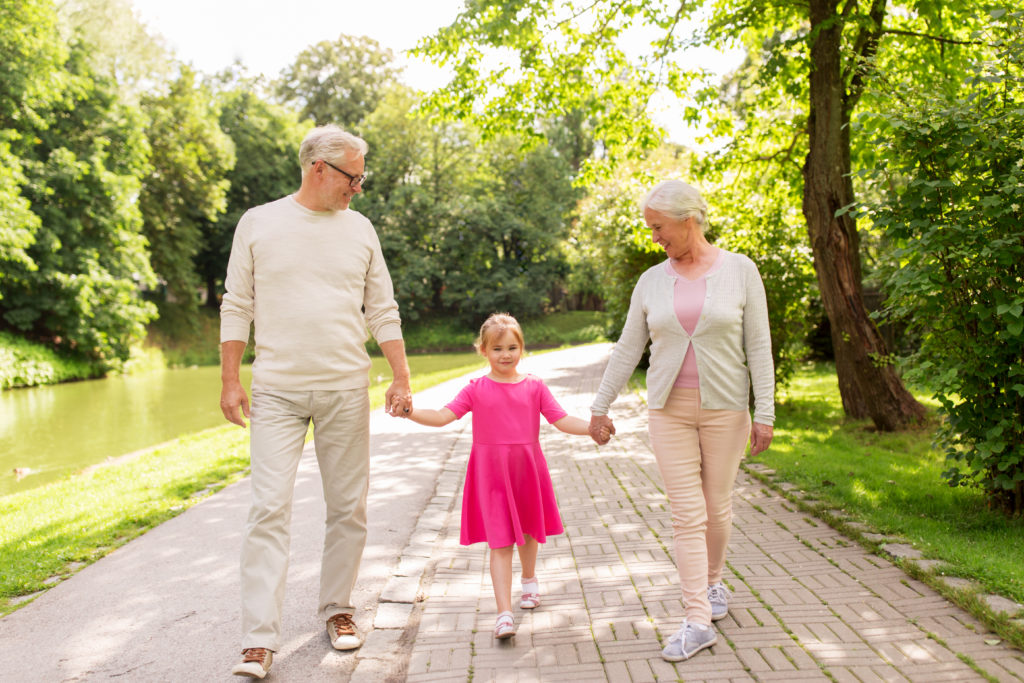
(341, 433)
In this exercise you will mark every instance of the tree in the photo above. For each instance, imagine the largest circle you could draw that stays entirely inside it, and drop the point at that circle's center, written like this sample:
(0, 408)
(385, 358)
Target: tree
(266, 140)
(80, 288)
(572, 58)
(121, 48)
(954, 207)
(338, 81)
(187, 182)
(467, 228)
(502, 245)
(31, 55)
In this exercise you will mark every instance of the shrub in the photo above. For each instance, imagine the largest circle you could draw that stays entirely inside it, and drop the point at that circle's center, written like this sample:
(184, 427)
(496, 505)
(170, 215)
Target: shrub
(956, 214)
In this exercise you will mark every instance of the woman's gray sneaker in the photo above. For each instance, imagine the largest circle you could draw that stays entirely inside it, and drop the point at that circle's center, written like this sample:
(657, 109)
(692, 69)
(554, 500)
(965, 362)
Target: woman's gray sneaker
(718, 596)
(688, 641)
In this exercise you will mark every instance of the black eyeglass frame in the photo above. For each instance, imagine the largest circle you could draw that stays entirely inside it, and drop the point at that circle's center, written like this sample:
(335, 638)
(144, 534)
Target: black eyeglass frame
(353, 180)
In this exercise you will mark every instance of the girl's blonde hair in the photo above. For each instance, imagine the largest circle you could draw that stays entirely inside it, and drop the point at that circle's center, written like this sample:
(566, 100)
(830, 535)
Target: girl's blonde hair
(496, 325)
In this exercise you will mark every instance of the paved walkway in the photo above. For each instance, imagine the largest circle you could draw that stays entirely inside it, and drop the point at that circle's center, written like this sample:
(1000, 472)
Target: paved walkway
(808, 603)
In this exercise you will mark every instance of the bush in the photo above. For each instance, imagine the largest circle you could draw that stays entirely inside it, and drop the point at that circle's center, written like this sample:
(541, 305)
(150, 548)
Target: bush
(957, 217)
(25, 364)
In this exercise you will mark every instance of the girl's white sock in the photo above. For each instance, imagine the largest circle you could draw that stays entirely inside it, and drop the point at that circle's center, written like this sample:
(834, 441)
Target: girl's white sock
(530, 585)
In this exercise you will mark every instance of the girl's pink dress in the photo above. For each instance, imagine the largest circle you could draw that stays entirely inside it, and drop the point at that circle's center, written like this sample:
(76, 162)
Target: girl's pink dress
(508, 491)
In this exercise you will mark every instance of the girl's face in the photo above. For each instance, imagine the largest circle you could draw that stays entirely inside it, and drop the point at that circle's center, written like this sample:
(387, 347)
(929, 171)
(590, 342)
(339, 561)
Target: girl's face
(503, 352)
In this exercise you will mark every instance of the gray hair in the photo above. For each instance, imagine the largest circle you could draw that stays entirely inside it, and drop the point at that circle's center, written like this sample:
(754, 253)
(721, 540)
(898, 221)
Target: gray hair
(678, 201)
(330, 143)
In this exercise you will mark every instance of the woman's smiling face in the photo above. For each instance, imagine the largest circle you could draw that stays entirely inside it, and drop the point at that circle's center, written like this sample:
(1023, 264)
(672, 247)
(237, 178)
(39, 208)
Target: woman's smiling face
(670, 234)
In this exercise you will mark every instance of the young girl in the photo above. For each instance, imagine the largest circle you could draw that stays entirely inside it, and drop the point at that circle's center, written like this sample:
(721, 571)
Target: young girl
(507, 499)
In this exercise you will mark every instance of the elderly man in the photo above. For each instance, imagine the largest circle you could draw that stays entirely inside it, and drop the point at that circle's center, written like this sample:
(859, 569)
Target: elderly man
(308, 273)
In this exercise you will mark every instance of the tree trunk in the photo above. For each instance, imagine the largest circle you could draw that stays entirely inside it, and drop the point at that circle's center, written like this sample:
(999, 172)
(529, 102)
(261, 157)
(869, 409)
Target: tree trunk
(211, 292)
(868, 383)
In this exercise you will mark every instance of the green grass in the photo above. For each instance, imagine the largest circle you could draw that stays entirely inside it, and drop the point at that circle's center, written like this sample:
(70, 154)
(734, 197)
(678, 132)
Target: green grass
(46, 533)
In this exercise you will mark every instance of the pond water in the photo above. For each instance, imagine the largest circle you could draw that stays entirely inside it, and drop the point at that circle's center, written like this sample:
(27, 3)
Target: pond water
(50, 431)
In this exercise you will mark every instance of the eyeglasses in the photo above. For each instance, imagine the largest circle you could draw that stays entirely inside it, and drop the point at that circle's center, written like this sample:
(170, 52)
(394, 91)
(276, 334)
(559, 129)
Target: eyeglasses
(353, 180)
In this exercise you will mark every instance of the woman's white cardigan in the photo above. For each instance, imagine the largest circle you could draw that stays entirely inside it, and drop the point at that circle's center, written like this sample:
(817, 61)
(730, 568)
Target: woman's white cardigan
(732, 341)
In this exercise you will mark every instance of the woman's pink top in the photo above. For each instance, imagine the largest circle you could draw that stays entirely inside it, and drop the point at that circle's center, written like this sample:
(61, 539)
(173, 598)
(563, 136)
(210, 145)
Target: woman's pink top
(689, 297)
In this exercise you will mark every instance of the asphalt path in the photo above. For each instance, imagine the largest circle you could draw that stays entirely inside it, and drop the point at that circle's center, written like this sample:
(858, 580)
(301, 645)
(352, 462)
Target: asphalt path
(166, 605)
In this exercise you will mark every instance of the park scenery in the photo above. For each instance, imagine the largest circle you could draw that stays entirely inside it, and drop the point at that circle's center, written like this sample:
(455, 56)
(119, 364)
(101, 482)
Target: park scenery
(868, 157)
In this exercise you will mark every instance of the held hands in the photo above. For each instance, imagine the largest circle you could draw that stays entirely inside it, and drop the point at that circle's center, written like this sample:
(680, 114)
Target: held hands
(760, 438)
(601, 429)
(398, 399)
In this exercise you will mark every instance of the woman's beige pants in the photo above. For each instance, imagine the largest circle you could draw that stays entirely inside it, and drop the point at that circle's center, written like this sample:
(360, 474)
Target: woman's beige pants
(341, 434)
(698, 452)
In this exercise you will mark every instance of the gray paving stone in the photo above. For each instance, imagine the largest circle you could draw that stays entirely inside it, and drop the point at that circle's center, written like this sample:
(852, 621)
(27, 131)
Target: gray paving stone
(902, 551)
(823, 611)
(999, 604)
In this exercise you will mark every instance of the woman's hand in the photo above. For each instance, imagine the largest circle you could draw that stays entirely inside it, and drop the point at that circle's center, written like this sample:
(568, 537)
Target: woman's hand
(760, 438)
(601, 429)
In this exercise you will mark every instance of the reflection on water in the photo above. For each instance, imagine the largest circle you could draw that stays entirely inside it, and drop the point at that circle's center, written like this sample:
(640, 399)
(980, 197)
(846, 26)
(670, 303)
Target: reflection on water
(47, 432)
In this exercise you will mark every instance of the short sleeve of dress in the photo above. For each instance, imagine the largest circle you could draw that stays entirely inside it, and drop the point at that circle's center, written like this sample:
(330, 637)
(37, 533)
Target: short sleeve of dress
(549, 407)
(463, 402)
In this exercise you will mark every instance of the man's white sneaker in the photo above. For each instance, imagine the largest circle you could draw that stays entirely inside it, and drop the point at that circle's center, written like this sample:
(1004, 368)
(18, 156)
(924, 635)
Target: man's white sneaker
(343, 632)
(255, 662)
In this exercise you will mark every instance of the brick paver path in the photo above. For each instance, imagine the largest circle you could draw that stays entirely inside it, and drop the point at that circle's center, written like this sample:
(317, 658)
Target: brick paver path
(807, 604)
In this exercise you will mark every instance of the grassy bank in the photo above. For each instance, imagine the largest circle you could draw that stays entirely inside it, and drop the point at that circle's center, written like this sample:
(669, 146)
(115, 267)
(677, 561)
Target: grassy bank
(46, 534)
(177, 340)
(195, 342)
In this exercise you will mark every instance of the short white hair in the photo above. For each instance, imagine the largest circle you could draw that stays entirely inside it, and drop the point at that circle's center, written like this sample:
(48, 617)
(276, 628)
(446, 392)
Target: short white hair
(332, 144)
(678, 201)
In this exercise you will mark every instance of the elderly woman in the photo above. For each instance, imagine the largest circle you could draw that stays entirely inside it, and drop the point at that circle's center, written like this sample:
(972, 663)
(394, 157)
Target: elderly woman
(705, 314)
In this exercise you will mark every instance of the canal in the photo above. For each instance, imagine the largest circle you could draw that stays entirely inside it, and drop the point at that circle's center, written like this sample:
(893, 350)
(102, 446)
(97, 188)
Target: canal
(50, 431)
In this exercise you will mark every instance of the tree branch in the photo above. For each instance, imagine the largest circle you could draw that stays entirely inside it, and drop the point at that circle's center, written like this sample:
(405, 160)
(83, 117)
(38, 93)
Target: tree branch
(940, 39)
(787, 152)
(864, 49)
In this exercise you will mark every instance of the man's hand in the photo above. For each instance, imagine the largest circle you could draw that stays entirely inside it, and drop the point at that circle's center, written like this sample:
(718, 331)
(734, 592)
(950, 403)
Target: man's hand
(232, 395)
(601, 429)
(760, 438)
(398, 399)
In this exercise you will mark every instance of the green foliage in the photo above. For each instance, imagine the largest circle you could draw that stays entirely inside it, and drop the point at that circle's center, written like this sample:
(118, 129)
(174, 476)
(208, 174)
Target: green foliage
(31, 53)
(748, 214)
(79, 288)
(338, 81)
(266, 140)
(955, 213)
(501, 247)
(518, 65)
(757, 215)
(186, 186)
(27, 364)
(121, 46)
(610, 243)
(467, 227)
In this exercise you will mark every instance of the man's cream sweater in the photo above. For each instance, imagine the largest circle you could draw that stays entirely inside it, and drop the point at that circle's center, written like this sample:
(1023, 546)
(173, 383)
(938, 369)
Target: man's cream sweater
(311, 283)
(732, 341)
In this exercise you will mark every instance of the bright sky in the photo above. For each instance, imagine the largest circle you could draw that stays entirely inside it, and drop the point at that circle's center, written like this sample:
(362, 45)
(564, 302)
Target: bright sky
(267, 35)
